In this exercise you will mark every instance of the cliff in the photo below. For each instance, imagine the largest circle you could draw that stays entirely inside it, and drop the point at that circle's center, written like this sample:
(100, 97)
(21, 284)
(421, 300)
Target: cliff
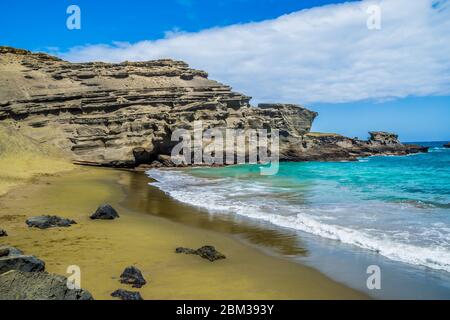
(123, 115)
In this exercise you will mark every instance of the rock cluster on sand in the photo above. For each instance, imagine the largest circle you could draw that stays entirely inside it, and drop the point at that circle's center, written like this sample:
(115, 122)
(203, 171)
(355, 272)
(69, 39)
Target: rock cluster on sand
(23, 277)
(206, 252)
(105, 212)
(123, 115)
(45, 222)
(133, 276)
(126, 295)
(3, 233)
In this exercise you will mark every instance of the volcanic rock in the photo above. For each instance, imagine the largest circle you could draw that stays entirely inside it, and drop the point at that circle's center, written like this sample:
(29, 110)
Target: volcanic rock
(45, 222)
(105, 212)
(126, 295)
(206, 252)
(133, 276)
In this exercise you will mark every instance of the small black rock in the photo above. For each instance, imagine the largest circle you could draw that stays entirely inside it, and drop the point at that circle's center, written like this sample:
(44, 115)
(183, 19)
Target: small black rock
(105, 212)
(206, 252)
(126, 295)
(3, 233)
(210, 253)
(45, 222)
(133, 276)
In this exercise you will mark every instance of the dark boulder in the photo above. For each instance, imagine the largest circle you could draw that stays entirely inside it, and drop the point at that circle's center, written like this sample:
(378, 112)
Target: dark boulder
(133, 276)
(3, 233)
(13, 259)
(126, 295)
(447, 145)
(105, 212)
(19, 285)
(206, 252)
(45, 222)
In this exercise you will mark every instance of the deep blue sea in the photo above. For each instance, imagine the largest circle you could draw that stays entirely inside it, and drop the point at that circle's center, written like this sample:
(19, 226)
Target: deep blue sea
(397, 207)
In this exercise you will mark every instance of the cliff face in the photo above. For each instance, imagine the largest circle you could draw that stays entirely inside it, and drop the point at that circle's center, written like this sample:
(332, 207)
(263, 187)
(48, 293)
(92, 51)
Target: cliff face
(123, 114)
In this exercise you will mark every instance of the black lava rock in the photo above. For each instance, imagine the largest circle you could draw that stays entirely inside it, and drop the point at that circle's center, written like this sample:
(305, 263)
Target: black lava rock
(210, 253)
(126, 295)
(45, 222)
(206, 252)
(105, 212)
(133, 276)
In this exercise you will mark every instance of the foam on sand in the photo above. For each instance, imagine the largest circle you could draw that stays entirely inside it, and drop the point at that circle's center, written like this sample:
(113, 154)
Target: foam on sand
(227, 196)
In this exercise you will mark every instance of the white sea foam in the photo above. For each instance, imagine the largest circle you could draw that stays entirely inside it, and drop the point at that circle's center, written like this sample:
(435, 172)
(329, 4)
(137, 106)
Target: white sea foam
(222, 196)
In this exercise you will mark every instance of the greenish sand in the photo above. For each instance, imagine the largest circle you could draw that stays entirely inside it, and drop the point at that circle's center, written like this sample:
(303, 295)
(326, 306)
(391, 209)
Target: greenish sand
(23, 159)
(104, 248)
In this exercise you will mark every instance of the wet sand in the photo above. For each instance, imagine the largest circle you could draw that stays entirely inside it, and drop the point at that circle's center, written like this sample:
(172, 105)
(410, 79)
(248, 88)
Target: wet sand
(151, 226)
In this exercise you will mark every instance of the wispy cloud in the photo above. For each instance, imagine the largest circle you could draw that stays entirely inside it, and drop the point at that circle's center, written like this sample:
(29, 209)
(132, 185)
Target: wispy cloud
(323, 54)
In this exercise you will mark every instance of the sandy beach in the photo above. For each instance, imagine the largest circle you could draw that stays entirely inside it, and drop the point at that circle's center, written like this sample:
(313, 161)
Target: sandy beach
(151, 226)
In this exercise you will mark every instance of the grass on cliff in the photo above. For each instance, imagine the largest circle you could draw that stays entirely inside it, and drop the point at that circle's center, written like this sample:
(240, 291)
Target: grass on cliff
(23, 159)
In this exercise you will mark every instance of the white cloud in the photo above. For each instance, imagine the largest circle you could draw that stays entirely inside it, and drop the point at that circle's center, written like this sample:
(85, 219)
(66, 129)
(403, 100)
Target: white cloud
(323, 54)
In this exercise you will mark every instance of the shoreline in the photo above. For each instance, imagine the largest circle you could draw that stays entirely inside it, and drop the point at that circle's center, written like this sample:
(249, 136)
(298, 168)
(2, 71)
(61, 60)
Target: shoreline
(146, 236)
(235, 195)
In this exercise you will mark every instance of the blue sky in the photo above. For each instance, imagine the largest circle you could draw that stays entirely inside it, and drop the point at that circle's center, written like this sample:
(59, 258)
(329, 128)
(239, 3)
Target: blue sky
(40, 25)
(394, 79)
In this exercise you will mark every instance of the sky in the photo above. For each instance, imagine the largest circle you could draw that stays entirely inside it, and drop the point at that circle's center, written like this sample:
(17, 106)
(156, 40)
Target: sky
(360, 74)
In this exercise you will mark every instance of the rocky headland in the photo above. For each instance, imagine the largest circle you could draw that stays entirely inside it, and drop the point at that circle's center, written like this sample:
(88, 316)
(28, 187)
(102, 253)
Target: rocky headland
(123, 114)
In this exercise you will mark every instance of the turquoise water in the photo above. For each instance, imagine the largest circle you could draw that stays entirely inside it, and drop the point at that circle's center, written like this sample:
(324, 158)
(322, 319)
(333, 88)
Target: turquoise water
(397, 207)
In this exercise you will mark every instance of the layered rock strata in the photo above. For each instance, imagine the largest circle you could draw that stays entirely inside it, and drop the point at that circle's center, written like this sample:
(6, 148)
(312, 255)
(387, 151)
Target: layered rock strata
(124, 114)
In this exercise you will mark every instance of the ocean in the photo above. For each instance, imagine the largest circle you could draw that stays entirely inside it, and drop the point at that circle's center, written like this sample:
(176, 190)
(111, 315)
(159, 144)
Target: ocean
(392, 210)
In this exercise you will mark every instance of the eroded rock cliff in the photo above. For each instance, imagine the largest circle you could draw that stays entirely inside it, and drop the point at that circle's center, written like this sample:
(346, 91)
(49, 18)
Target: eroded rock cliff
(123, 115)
